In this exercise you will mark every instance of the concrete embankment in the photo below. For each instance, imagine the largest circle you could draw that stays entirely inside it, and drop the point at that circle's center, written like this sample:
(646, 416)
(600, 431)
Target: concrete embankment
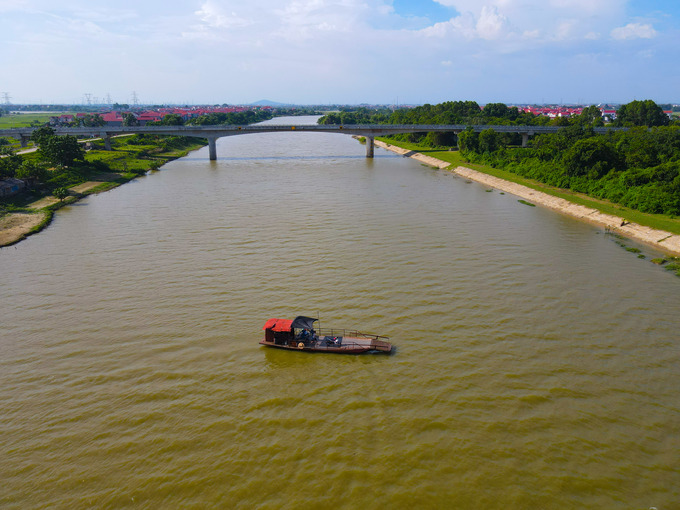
(659, 239)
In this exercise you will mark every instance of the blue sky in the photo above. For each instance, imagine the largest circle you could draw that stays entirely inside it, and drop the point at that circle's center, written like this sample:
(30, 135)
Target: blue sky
(341, 51)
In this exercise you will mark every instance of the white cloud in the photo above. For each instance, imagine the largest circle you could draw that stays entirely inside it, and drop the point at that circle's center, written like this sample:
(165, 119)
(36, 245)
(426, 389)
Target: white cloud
(564, 30)
(585, 7)
(303, 19)
(531, 19)
(292, 20)
(491, 24)
(634, 31)
(13, 5)
(214, 16)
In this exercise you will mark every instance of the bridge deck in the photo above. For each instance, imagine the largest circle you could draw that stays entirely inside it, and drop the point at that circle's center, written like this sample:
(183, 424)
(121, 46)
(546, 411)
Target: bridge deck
(213, 132)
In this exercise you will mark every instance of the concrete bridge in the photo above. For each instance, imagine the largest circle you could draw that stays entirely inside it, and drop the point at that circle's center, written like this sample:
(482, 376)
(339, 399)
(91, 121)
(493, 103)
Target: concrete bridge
(212, 133)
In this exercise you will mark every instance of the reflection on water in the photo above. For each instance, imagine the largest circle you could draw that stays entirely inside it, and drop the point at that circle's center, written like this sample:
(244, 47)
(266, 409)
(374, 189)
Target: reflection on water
(536, 363)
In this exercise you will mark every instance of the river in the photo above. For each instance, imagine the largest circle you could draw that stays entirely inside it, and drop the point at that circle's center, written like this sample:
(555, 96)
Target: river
(536, 361)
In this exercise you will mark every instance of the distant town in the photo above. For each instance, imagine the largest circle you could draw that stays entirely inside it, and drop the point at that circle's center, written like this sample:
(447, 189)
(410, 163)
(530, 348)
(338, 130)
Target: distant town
(123, 114)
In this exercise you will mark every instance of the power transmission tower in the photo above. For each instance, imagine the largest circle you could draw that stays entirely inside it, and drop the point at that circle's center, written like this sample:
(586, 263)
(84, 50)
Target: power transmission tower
(6, 97)
(88, 98)
(135, 99)
(108, 99)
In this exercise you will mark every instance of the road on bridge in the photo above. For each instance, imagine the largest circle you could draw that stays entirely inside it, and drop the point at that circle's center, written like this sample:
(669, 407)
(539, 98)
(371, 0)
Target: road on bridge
(213, 132)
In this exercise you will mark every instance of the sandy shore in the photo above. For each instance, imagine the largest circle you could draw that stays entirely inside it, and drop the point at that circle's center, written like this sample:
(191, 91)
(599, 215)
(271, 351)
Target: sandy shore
(15, 226)
(659, 239)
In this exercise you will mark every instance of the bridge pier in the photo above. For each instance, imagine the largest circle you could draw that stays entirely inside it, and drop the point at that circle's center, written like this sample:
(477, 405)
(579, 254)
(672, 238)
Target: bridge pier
(212, 147)
(525, 139)
(370, 146)
(23, 140)
(107, 141)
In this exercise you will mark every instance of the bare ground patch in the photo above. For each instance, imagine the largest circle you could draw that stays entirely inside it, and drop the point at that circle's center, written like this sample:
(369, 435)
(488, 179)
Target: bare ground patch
(15, 226)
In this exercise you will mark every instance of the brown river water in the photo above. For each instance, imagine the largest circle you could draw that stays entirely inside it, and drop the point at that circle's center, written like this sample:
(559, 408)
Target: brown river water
(536, 365)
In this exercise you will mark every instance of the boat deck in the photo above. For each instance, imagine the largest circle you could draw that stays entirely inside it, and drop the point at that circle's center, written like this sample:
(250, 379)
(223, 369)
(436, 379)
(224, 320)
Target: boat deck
(350, 345)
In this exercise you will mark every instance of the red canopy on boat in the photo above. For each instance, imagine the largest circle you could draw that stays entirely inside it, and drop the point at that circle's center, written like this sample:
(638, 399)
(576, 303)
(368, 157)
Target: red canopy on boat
(278, 324)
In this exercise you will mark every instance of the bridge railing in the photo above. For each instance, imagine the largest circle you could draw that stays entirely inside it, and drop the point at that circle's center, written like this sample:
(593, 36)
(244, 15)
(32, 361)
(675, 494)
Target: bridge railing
(226, 130)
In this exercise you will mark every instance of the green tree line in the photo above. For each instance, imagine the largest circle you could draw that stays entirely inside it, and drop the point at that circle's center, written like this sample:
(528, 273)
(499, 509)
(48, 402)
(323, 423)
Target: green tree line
(638, 168)
(231, 118)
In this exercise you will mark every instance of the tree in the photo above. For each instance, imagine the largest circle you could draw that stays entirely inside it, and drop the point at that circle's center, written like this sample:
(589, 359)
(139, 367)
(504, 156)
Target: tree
(9, 163)
(31, 171)
(171, 119)
(593, 157)
(440, 139)
(42, 134)
(489, 141)
(500, 111)
(95, 120)
(642, 113)
(560, 121)
(130, 120)
(60, 193)
(468, 140)
(61, 150)
(6, 150)
(590, 115)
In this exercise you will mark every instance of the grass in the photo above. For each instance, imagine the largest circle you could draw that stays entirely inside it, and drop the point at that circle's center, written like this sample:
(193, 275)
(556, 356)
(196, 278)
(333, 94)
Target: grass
(129, 158)
(455, 158)
(673, 265)
(25, 120)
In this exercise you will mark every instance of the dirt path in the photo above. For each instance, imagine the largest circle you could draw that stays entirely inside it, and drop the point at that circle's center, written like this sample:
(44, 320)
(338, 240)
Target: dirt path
(659, 239)
(15, 226)
(80, 188)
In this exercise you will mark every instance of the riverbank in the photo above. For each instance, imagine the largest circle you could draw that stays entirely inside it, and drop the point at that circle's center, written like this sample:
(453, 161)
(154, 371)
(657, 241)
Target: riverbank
(126, 165)
(659, 239)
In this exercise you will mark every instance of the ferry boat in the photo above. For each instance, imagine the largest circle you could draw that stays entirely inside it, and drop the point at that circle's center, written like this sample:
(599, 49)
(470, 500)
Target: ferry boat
(299, 335)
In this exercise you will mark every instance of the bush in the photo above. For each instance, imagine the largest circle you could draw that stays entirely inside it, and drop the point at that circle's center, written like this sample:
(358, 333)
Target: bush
(60, 193)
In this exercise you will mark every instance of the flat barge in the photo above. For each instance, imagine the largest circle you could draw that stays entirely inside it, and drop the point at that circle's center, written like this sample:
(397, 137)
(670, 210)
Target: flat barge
(299, 335)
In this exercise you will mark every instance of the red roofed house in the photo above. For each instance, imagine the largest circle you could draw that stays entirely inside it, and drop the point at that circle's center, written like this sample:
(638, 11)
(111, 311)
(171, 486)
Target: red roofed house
(146, 117)
(113, 118)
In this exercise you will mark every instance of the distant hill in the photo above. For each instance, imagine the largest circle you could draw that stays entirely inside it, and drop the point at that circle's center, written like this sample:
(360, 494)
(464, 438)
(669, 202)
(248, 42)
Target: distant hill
(266, 102)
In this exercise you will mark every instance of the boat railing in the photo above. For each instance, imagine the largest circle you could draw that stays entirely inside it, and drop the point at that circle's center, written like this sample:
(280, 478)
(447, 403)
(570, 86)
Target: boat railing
(378, 345)
(348, 333)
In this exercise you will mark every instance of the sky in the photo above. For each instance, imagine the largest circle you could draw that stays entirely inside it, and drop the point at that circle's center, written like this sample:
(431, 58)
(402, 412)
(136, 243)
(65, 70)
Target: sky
(340, 51)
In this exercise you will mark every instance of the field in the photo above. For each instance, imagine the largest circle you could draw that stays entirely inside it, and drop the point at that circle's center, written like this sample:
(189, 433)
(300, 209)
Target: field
(25, 120)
